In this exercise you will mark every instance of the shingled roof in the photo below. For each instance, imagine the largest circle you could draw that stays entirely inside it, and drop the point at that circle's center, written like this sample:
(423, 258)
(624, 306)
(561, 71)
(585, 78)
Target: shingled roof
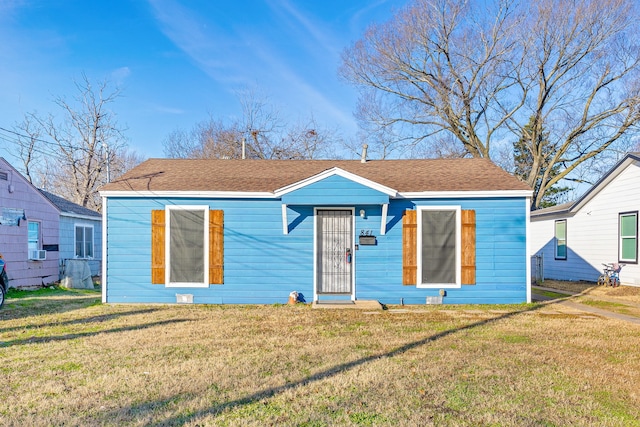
(270, 175)
(66, 206)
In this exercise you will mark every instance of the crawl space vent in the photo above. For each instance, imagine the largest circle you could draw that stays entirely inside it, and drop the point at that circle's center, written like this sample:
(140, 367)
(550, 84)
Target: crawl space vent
(184, 298)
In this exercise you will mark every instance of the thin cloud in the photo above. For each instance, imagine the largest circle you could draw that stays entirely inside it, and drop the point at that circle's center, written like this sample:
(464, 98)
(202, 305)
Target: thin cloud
(250, 57)
(119, 75)
(195, 37)
(317, 33)
(361, 15)
(302, 92)
(168, 110)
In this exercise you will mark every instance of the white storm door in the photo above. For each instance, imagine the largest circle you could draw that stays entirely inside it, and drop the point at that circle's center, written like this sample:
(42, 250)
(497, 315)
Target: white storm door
(334, 250)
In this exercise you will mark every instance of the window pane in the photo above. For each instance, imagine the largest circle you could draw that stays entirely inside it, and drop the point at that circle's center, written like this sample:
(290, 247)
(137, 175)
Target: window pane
(561, 239)
(561, 251)
(628, 250)
(88, 244)
(79, 242)
(628, 225)
(438, 246)
(33, 234)
(186, 246)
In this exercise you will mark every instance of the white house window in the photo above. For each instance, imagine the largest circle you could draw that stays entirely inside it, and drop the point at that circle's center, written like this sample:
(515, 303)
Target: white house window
(561, 239)
(33, 238)
(628, 237)
(84, 241)
(187, 246)
(439, 246)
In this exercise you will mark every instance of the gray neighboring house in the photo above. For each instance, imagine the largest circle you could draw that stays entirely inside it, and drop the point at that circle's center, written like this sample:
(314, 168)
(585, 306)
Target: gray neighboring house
(80, 233)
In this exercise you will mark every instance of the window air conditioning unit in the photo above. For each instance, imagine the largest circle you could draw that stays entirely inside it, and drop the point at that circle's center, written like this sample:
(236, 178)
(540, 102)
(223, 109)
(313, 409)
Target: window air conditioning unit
(38, 255)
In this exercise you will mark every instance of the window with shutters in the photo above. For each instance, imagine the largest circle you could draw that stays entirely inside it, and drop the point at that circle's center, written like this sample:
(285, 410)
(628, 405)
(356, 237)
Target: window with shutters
(187, 246)
(439, 243)
(439, 247)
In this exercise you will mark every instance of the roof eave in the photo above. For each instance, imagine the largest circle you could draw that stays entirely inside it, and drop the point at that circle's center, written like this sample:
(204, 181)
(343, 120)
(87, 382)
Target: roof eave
(627, 160)
(268, 195)
(464, 193)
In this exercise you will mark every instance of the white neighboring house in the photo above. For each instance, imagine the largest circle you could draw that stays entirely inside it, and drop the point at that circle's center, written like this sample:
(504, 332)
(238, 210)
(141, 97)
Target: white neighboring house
(576, 238)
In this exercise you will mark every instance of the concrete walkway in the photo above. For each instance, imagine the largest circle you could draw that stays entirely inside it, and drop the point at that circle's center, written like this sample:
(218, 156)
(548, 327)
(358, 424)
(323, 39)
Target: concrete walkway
(570, 301)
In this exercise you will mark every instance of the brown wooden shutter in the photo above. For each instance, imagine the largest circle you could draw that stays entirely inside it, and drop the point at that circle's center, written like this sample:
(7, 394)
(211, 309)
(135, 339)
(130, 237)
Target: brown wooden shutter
(157, 246)
(468, 247)
(409, 247)
(216, 247)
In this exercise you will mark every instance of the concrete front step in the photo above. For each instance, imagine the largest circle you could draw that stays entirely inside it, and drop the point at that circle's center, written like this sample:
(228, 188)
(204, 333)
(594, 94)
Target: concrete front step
(347, 304)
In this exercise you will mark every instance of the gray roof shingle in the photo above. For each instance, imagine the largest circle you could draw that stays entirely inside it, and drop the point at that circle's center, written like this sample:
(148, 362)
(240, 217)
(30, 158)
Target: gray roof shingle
(66, 206)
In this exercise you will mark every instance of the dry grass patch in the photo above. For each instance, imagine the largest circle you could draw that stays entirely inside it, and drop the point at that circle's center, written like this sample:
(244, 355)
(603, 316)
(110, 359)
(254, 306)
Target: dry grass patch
(622, 299)
(282, 365)
(628, 293)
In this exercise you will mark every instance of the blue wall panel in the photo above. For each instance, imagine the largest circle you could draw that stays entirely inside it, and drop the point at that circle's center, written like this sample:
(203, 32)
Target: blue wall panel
(500, 255)
(263, 265)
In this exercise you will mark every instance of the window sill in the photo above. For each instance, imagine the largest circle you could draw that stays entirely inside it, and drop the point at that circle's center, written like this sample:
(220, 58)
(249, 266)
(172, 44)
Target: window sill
(439, 286)
(186, 285)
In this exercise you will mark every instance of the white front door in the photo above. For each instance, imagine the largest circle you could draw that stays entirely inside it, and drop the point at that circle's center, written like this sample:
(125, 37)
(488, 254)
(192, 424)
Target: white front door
(334, 261)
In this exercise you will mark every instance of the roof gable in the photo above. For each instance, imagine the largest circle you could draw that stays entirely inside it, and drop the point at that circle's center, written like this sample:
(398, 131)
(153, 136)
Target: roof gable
(572, 207)
(335, 187)
(4, 164)
(335, 172)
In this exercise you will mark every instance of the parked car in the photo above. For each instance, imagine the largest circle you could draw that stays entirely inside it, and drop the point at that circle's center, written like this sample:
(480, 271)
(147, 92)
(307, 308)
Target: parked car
(4, 281)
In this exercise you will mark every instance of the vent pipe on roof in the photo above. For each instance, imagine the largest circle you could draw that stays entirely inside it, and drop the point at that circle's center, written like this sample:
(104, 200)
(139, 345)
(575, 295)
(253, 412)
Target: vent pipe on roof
(244, 148)
(363, 159)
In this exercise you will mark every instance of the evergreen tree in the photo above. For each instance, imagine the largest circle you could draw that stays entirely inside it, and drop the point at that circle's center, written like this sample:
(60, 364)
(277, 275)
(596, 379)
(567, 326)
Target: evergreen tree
(523, 160)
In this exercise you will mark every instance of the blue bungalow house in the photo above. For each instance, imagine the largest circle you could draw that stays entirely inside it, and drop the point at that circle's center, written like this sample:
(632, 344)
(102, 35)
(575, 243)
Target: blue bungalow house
(450, 231)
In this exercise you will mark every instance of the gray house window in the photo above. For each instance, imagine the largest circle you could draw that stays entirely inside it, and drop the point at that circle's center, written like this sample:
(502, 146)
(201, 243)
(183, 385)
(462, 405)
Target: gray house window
(561, 239)
(84, 241)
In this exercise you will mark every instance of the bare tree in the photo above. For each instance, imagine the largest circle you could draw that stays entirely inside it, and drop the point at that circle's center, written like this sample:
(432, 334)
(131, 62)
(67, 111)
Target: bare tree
(259, 134)
(208, 139)
(81, 146)
(481, 70)
(309, 139)
(28, 134)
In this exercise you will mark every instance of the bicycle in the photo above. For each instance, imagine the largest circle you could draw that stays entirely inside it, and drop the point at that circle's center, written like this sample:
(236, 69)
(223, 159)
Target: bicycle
(610, 275)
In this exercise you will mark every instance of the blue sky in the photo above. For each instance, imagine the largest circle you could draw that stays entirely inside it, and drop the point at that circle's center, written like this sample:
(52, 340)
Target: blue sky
(178, 62)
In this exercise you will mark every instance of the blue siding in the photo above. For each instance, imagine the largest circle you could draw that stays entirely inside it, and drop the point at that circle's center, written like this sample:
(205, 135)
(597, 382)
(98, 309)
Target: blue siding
(263, 265)
(335, 191)
(500, 255)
